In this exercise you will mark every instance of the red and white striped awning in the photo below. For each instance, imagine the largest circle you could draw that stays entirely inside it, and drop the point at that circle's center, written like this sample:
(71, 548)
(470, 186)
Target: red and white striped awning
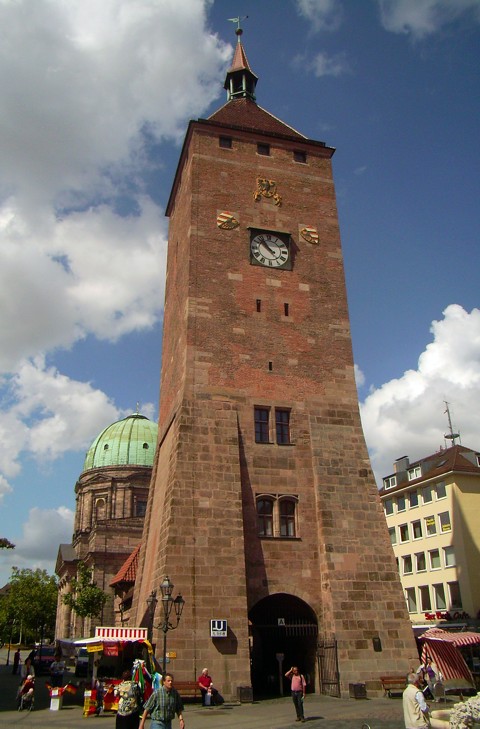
(442, 647)
(121, 633)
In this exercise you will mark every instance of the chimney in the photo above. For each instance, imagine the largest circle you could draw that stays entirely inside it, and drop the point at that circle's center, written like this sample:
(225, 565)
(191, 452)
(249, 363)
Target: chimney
(401, 464)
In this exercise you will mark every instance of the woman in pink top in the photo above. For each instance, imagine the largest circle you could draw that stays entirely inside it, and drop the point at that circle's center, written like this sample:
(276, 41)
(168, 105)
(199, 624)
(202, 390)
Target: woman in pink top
(298, 690)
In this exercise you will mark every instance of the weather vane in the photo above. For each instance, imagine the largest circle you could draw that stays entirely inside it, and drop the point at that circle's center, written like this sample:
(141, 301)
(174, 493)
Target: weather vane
(239, 31)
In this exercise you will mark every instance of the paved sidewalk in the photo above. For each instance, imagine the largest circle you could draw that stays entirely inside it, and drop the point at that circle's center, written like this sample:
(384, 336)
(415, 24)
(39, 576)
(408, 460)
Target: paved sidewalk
(320, 712)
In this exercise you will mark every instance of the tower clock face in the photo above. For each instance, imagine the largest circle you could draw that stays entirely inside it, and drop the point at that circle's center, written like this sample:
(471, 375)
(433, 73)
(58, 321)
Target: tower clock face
(269, 250)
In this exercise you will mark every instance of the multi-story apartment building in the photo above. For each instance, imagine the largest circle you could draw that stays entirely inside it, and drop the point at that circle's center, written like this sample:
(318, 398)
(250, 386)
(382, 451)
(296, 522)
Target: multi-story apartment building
(432, 509)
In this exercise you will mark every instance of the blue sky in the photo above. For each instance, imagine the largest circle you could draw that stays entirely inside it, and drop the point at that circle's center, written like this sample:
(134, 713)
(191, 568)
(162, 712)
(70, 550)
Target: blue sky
(94, 109)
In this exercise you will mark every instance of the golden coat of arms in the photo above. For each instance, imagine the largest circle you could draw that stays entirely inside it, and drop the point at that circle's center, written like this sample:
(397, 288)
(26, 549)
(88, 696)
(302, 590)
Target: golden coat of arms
(227, 221)
(267, 188)
(309, 234)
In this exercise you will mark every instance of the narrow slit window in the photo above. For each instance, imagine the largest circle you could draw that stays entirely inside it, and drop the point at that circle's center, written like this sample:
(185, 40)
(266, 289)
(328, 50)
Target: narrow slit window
(285, 309)
(259, 305)
(270, 366)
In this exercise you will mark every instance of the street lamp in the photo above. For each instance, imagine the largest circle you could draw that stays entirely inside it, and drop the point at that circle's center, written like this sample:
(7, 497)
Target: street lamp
(168, 602)
(152, 604)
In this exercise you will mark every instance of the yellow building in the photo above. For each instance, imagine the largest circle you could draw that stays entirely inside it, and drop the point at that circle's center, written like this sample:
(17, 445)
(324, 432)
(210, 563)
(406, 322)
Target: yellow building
(432, 509)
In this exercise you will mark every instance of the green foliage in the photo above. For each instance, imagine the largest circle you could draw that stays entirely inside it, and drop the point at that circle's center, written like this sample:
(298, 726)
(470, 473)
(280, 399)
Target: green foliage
(30, 602)
(85, 598)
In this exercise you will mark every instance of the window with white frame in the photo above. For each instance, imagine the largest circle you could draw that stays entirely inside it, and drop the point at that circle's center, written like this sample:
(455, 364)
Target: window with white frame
(411, 599)
(389, 482)
(413, 499)
(445, 521)
(441, 490)
(388, 506)
(455, 596)
(449, 556)
(425, 601)
(439, 597)
(401, 504)
(434, 555)
(403, 531)
(430, 526)
(417, 529)
(407, 564)
(393, 535)
(420, 562)
(427, 494)
(414, 473)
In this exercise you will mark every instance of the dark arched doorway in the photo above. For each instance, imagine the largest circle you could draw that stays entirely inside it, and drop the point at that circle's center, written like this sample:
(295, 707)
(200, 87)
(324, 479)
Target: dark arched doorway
(282, 624)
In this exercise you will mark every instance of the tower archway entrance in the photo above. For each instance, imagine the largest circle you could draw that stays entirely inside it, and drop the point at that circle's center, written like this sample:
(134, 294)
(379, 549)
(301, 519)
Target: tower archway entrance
(284, 633)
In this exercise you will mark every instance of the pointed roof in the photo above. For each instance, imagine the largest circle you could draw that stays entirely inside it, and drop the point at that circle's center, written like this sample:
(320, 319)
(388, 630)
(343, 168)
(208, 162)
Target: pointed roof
(128, 570)
(242, 113)
(240, 80)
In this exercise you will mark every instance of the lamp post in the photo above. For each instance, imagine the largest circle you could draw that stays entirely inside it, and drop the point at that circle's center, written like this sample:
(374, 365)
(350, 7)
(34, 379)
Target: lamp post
(152, 604)
(168, 602)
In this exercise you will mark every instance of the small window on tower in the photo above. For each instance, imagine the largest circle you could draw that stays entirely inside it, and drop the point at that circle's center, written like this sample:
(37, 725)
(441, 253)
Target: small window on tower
(262, 428)
(285, 309)
(287, 518)
(299, 156)
(282, 426)
(259, 304)
(263, 149)
(225, 142)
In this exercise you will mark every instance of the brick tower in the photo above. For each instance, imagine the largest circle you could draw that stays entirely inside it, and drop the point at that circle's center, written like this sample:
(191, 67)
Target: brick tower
(263, 509)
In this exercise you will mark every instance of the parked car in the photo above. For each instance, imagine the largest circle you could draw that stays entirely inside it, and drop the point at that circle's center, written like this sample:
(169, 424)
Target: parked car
(81, 662)
(43, 659)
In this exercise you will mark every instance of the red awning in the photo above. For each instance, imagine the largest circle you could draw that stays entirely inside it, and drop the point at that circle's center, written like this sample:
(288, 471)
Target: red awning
(442, 647)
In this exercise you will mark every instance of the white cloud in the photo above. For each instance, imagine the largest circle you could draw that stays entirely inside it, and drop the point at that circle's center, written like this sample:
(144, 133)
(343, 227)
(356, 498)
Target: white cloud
(359, 376)
(406, 415)
(321, 14)
(421, 18)
(43, 532)
(90, 76)
(49, 416)
(324, 65)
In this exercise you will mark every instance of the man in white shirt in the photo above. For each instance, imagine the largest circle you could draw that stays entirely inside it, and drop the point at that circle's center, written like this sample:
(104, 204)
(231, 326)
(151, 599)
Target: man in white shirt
(415, 709)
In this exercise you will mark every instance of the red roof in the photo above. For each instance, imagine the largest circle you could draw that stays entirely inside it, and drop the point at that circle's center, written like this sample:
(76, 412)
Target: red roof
(243, 113)
(240, 61)
(128, 570)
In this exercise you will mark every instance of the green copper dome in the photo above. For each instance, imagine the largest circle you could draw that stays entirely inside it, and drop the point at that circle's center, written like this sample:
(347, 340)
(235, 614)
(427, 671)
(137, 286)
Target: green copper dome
(129, 442)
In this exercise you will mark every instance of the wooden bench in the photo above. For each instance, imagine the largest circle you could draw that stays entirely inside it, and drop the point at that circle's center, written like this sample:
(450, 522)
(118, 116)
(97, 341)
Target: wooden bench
(188, 689)
(393, 684)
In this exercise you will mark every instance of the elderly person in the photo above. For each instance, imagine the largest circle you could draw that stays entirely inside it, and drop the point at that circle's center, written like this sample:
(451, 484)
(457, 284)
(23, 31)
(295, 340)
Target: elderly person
(206, 686)
(415, 709)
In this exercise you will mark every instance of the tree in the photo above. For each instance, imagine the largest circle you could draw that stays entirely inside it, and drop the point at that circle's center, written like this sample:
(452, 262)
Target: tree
(5, 544)
(30, 601)
(85, 598)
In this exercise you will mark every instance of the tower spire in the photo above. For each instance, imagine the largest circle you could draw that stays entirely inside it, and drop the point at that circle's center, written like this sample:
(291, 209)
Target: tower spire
(240, 80)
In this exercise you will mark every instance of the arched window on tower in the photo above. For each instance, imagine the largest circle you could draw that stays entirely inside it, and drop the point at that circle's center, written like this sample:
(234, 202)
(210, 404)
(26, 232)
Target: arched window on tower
(100, 509)
(265, 517)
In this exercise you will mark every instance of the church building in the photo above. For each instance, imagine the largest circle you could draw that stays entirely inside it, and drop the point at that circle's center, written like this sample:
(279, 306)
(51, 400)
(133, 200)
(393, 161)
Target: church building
(111, 500)
(263, 510)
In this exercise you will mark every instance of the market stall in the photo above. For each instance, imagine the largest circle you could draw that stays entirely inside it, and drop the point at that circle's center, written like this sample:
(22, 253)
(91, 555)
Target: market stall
(115, 650)
(444, 649)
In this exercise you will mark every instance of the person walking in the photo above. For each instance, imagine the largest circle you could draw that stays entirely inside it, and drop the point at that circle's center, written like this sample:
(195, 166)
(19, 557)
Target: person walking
(129, 704)
(298, 687)
(415, 708)
(16, 662)
(162, 706)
